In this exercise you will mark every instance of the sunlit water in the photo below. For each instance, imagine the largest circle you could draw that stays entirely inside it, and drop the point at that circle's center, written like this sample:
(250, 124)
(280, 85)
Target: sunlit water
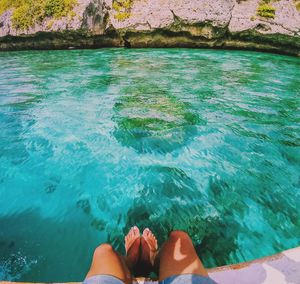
(93, 142)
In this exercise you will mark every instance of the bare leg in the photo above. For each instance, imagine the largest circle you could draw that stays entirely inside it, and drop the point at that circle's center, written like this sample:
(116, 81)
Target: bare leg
(149, 241)
(132, 247)
(107, 262)
(178, 256)
(149, 250)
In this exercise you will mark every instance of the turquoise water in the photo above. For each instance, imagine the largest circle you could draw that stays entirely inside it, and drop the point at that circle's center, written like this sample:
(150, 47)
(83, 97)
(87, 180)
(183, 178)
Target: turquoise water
(95, 141)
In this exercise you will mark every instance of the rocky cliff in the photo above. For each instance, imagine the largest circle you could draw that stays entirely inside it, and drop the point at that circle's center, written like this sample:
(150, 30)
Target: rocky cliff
(270, 25)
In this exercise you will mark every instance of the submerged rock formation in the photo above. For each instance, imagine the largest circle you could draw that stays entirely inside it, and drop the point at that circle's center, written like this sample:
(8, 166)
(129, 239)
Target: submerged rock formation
(236, 24)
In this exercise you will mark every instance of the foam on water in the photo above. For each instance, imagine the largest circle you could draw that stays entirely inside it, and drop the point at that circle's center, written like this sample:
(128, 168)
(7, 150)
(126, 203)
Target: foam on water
(95, 141)
(13, 267)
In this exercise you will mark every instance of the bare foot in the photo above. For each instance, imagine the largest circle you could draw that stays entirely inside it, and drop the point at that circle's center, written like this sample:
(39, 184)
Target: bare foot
(149, 246)
(132, 246)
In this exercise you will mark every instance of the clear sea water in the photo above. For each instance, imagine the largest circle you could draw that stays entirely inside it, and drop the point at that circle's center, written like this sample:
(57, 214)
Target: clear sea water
(95, 141)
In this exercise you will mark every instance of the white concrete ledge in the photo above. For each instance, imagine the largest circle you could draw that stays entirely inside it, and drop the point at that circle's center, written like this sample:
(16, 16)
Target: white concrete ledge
(281, 268)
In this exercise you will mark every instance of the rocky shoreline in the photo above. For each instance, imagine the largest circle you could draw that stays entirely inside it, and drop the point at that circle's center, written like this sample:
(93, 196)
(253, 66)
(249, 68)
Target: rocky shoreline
(226, 24)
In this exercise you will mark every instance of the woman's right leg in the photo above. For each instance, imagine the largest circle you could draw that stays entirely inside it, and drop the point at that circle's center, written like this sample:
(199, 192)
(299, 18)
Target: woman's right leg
(107, 262)
(178, 256)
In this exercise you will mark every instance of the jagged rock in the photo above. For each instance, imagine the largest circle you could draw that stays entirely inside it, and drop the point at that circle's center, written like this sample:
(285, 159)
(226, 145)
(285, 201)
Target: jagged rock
(286, 21)
(154, 14)
(5, 23)
(163, 23)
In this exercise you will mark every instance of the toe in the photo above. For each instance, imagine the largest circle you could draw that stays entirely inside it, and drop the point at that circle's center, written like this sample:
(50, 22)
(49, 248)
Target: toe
(146, 232)
(136, 230)
(131, 232)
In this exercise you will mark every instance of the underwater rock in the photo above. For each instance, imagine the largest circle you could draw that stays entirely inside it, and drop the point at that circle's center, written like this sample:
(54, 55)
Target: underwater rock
(50, 188)
(98, 224)
(220, 240)
(180, 201)
(52, 184)
(84, 204)
(214, 229)
(153, 120)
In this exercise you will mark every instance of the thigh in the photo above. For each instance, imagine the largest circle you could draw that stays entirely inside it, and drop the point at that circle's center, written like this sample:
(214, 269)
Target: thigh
(178, 256)
(107, 262)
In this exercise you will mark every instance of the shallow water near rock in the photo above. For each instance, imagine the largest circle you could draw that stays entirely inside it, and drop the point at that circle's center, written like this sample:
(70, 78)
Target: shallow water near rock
(95, 141)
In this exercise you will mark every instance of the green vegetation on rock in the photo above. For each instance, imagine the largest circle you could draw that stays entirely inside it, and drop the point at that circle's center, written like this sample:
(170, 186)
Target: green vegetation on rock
(297, 3)
(28, 12)
(266, 10)
(151, 119)
(122, 8)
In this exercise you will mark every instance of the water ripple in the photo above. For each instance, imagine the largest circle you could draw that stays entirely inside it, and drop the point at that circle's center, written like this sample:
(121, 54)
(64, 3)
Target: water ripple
(95, 141)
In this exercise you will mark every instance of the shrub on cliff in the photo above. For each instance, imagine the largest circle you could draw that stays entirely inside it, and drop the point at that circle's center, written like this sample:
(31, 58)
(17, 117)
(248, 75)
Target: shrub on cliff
(266, 10)
(122, 9)
(28, 12)
(26, 15)
(59, 8)
(297, 3)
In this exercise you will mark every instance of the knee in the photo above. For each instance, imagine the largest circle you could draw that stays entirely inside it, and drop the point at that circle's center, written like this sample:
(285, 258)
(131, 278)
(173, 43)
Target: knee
(103, 249)
(176, 235)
